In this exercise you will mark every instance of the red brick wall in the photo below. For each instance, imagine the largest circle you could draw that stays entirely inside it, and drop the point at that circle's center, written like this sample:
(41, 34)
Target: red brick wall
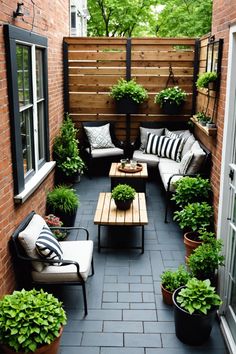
(224, 14)
(50, 19)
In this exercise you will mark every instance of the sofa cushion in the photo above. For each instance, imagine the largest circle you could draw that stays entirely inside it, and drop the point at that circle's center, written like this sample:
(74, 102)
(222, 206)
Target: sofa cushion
(185, 162)
(188, 144)
(114, 151)
(167, 168)
(99, 137)
(79, 251)
(28, 238)
(141, 156)
(185, 133)
(144, 135)
(164, 147)
(197, 160)
(47, 245)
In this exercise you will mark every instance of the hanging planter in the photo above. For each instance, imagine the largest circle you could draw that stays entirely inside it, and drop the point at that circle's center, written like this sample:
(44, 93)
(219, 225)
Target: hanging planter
(171, 100)
(127, 105)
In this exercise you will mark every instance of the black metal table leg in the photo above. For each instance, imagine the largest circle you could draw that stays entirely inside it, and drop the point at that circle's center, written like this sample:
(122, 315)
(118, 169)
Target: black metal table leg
(142, 238)
(99, 236)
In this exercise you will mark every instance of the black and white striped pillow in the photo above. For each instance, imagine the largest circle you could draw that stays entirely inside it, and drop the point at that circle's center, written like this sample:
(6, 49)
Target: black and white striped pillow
(163, 146)
(47, 245)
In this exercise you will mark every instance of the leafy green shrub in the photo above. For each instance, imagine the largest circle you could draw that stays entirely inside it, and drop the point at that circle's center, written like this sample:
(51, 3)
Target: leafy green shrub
(194, 216)
(172, 280)
(191, 189)
(65, 148)
(30, 319)
(62, 198)
(173, 94)
(206, 258)
(198, 296)
(123, 192)
(129, 89)
(205, 78)
(203, 118)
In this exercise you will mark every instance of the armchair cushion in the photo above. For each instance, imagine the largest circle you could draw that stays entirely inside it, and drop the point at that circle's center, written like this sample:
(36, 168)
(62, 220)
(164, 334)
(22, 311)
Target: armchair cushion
(79, 251)
(185, 162)
(188, 144)
(28, 238)
(99, 137)
(198, 158)
(164, 147)
(47, 245)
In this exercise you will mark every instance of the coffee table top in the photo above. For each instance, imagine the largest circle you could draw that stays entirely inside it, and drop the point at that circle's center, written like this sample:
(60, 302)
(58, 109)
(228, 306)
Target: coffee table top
(114, 172)
(108, 214)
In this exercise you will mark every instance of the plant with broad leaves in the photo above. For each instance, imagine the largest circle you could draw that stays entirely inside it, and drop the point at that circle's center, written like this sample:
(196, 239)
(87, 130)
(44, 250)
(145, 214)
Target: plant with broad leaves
(30, 319)
(173, 279)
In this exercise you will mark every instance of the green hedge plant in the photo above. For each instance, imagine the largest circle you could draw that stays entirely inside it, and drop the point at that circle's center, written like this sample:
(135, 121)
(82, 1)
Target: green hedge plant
(123, 192)
(194, 216)
(191, 189)
(62, 198)
(30, 319)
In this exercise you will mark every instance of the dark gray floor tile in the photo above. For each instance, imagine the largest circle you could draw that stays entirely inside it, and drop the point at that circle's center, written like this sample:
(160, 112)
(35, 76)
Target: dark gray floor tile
(122, 351)
(80, 350)
(115, 305)
(123, 326)
(139, 315)
(71, 339)
(143, 306)
(130, 297)
(129, 279)
(116, 287)
(109, 296)
(83, 326)
(142, 340)
(104, 315)
(159, 327)
(102, 339)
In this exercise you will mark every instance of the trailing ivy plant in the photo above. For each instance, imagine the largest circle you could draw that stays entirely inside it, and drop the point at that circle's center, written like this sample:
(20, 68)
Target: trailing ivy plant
(191, 189)
(30, 319)
(198, 297)
(130, 89)
(194, 216)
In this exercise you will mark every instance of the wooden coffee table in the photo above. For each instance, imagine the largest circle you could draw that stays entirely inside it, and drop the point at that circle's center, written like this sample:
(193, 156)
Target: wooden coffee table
(136, 180)
(108, 214)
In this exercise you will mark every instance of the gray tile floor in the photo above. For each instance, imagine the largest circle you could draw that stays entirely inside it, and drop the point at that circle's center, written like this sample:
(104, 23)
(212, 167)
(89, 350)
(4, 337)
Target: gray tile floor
(126, 314)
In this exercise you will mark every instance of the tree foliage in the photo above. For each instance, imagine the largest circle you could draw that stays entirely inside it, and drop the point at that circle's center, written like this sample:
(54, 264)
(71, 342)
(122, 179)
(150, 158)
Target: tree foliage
(162, 18)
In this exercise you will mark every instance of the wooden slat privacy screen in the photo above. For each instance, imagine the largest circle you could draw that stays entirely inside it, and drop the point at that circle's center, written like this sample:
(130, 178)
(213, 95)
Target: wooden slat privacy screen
(93, 65)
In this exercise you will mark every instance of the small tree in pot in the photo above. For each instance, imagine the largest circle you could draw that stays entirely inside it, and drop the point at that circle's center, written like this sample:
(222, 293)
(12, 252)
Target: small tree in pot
(195, 307)
(31, 322)
(123, 195)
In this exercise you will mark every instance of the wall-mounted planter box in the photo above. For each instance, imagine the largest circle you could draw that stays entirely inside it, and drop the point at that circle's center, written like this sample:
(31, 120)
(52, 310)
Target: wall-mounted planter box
(204, 129)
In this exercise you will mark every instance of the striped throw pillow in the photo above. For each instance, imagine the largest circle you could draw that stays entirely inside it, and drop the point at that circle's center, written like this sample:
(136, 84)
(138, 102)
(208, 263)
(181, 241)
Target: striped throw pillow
(163, 146)
(47, 245)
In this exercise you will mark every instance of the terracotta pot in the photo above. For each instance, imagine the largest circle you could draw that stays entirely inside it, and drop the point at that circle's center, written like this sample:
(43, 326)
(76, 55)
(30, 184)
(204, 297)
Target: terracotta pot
(52, 348)
(190, 242)
(167, 296)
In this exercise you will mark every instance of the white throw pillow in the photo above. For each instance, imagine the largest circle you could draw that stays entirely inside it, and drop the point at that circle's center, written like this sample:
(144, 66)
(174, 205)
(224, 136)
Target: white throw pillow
(188, 144)
(144, 135)
(99, 137)
(28, 238)
(185, 162)
(164, 147)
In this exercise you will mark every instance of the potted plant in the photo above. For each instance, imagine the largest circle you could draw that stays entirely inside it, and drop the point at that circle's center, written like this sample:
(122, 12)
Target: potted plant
(202, 118)
(66, 152)
(195, 306)
(55, 224)
(205, 79)
(171, 280)
(194, 239)
(31, 322)
(63, 202)
(205, 259)
(171, 99)
(128, 95)
(123, 195)
(191, 189)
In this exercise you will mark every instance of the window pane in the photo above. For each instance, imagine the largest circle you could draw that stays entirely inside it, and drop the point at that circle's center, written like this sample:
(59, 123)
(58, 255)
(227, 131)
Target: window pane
(23, 57)
(39, 73)
(41, 129)
(27, 140)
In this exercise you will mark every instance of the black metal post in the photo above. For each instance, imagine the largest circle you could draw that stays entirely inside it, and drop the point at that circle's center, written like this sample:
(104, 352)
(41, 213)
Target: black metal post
(195, 73)
(128, 77)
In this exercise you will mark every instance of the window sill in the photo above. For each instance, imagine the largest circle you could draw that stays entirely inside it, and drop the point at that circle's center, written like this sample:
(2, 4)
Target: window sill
(35, 182)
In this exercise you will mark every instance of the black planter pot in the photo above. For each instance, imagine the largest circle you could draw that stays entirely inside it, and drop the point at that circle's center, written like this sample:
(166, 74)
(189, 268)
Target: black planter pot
(192, 329)
(171, 108)
(126, 106)
(62, 178)
(123, 204)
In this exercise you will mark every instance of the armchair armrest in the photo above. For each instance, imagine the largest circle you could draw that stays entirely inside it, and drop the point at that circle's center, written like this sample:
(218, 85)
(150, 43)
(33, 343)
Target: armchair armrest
(178, 174)
(71, 228)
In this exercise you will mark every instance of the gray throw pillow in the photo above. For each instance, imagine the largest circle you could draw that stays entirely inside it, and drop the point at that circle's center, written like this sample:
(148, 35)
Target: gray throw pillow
(144, 135)
(99, 137)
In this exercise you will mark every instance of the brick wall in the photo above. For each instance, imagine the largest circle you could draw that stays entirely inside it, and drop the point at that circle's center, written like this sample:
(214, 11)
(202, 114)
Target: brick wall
(50, 19)
(224, 14)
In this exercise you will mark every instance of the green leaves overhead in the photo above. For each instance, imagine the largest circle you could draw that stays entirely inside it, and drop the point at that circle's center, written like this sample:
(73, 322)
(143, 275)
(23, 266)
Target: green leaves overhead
(163, 18)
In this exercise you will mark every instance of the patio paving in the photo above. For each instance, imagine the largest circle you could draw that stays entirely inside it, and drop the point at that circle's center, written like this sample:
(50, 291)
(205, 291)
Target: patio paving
(126, 314)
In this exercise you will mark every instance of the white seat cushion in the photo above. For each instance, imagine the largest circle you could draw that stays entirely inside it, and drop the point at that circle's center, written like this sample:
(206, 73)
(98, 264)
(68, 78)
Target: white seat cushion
(167, 168)
(29, 236)
(165, 179)
(79, 251)
(97, 153)
(141, 156)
